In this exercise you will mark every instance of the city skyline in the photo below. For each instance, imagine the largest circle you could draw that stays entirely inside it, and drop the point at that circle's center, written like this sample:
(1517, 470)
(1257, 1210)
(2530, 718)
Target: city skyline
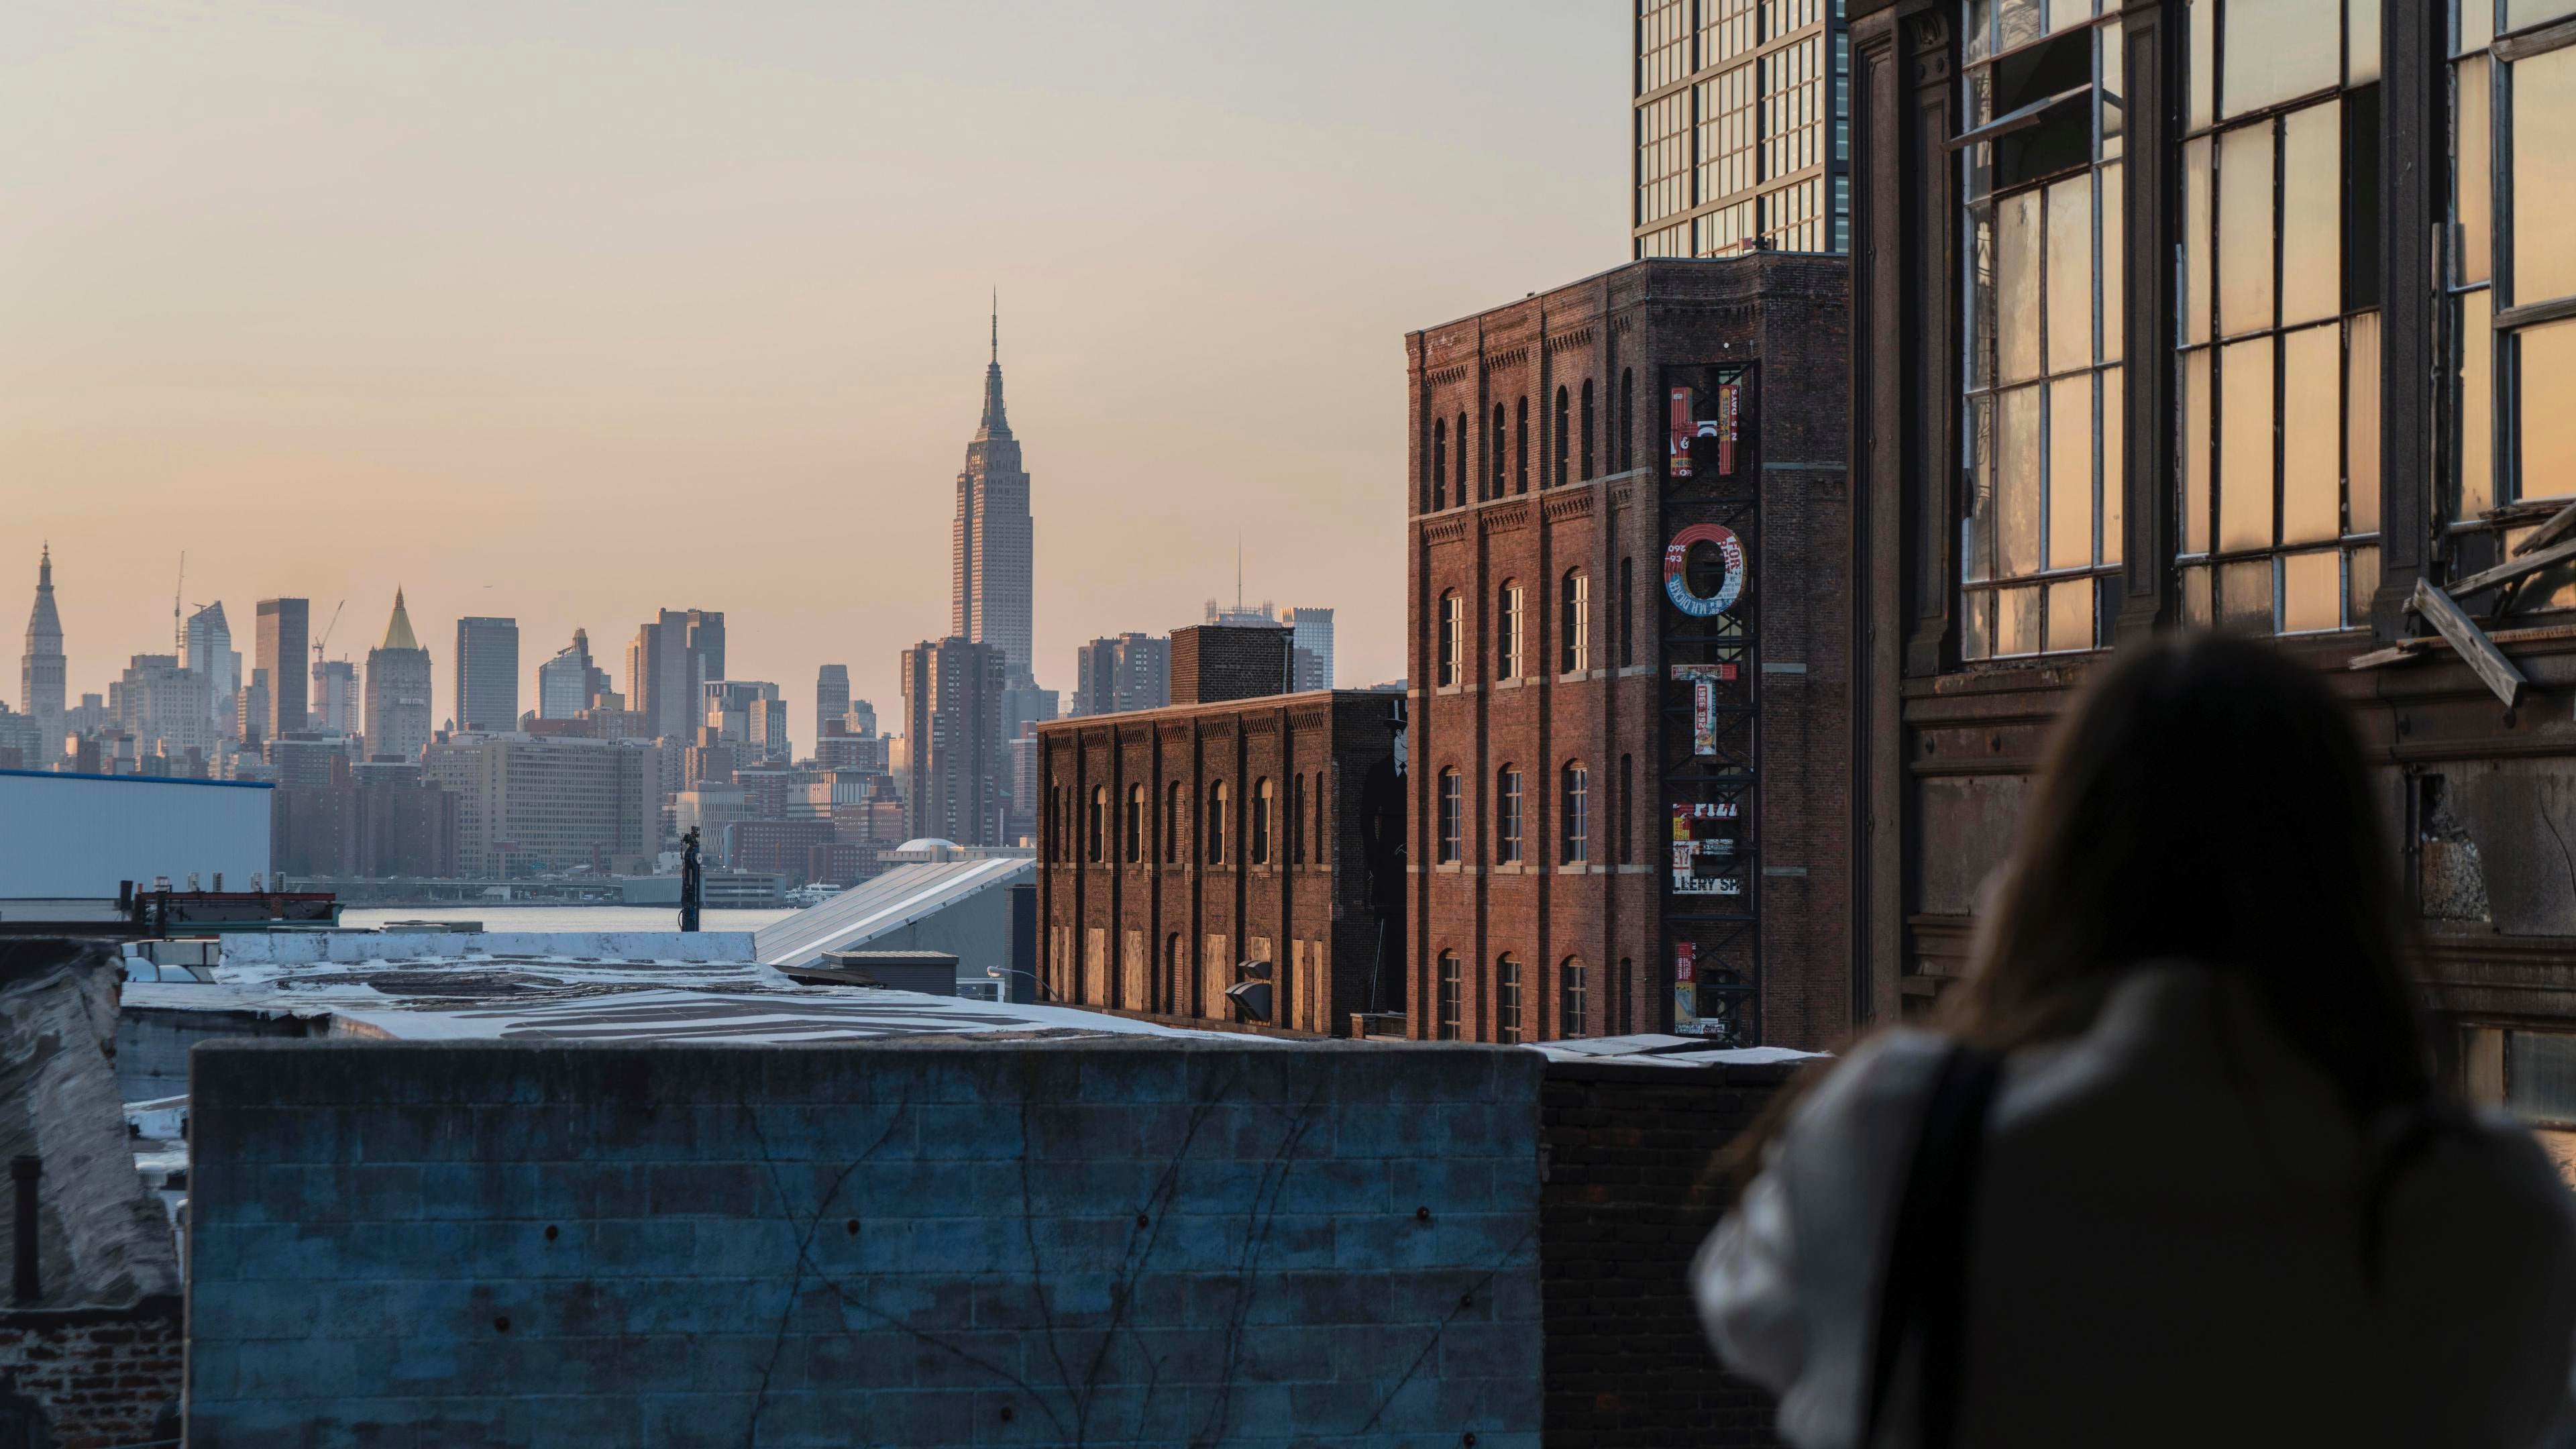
(439, 377)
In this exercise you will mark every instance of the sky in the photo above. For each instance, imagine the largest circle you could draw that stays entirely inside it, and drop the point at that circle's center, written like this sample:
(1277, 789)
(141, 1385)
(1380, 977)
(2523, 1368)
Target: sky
(576, 310)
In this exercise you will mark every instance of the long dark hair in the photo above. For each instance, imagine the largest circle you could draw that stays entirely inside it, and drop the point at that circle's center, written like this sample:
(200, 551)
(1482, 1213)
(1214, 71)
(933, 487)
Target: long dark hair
(2205, 800)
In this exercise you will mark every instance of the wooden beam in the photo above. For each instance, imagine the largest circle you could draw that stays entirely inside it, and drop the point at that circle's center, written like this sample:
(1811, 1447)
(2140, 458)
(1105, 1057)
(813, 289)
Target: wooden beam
(2548, 533)
(2517, 568)
(2472, 643)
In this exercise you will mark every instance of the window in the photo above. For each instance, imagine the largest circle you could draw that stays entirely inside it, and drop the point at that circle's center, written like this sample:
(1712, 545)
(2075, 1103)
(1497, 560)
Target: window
(1176, 974)
(1663, 43)
(1323, 842)
(1216, 823)
(1097, 824)
(1507, 631)
(1626, 987)
(1261, 816)
(1461, 489)
(2513, 213)
(1727, 137)
(1570, 1016)
(1587, 429)
(1725, 30)
(1453, 802)
(1507, 1001)
(1498, 452)
(1625, 807)
(1574, 815)
(1507, 816)
(1520, 448)
(1172, 824)
(1793, 115)
(2041, 253)
(1627, 418)
(1440, 463)
(1663, 158)
(1135, 823)
(1297, 820)
(1564, 439)
(1574, 623)
(1627, 612)
(1453, 637)
(1451, 988)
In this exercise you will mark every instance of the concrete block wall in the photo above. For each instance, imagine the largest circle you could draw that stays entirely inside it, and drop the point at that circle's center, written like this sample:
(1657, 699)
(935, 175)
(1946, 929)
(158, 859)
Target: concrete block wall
(1147, 1242)
(1633, 1188)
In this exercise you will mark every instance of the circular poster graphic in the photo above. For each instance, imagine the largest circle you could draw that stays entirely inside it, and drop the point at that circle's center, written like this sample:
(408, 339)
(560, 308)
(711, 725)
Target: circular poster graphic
(1677, 573)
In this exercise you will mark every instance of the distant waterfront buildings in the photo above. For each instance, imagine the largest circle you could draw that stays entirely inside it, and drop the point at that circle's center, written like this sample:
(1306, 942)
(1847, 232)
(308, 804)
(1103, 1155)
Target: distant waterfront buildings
(952, 696)
(398, 688)
(527, 804)
(206, 648)
(831, 696)
(570, 682)
(335, 697)
(40, 669)
(164, 706)
(994, 538)
(1122, 672)
(487, 673)
(285, 629)
(667, 666)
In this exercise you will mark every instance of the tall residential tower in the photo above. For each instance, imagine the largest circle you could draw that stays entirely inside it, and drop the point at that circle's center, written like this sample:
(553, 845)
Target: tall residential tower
(1741, 130)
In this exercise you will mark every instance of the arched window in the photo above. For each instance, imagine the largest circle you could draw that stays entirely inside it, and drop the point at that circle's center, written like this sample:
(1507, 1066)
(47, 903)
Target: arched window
(1507, 816)
(1172, 824)
(1574, 623)
(1051, 830)
(1452, 987)
(1453, 636)
(1627, 446)
(1507, 631)
(1571, 1016)
(1461, 489)
(1135, 824)
(1296, 820)
(1627, 612)
(1574, 814)
(1520, 453)
(1564, 440)
(1626, 806)
(1323, 842)
(1440, 464)
(1176, 974)
(1216, 823)
(1507, 1000)
(1098, 823)
(1261, 818)
(1587, 427)
(1453, 816)
(1499, 451)
(1625, 1014)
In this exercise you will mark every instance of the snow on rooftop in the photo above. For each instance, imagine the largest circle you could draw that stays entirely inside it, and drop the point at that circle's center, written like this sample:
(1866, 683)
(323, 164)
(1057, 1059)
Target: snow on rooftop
(882, 904)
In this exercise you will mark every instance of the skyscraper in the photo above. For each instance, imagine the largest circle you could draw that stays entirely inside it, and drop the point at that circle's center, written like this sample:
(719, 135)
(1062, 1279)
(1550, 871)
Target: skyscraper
(1124, 672)
(487, 674)
(206, 648)
(569, 683)
(952, 697)
(398, 681)
(40, 668)
(1310, 647)
(1739, 140)
(335, 697)
(994, 537)
(668, 665)
(285, 629)
(831, 696)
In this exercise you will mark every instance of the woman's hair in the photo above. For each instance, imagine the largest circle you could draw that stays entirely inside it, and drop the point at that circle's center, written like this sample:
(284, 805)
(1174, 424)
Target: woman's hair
(2204, 800)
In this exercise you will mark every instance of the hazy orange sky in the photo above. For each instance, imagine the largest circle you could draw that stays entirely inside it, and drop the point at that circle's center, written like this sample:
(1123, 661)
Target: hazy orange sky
(570, 311)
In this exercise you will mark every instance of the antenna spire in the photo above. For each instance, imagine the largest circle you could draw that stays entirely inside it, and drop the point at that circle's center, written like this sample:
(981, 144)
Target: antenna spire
(997, 326)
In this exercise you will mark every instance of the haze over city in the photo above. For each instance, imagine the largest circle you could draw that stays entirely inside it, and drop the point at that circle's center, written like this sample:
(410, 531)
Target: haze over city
(573, 313)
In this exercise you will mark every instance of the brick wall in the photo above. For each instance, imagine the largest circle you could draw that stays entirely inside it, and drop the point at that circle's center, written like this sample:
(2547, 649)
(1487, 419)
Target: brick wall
(91, 1378)
(1630, 1195)
(1213, 663)
(1174, 1242)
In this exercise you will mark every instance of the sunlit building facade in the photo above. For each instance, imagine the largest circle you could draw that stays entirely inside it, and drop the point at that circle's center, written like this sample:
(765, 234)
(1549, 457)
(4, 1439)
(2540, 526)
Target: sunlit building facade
(1740, 130)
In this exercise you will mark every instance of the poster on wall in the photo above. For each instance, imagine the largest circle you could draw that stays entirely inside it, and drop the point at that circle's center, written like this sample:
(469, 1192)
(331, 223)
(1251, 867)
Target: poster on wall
(1704, 680)
(1730, 580)
(1679, 434)
(1721, 429)
(1705, 836)
(1685, 990)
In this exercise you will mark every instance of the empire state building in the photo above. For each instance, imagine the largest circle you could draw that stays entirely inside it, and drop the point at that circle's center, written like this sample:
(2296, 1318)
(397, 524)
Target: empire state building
(993, 537)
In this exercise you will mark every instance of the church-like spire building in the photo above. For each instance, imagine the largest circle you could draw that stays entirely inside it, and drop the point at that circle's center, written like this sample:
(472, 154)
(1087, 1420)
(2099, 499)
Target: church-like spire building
(398, 685)
(40, 669)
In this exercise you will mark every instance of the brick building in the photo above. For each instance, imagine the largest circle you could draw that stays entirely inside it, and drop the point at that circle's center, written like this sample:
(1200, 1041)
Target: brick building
(1177, 844)
(1629, 642)
(1211, 663)
(2259, 322)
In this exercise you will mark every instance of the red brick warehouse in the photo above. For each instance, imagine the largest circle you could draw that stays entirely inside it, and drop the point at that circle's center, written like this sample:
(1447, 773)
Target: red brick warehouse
(1629, 807)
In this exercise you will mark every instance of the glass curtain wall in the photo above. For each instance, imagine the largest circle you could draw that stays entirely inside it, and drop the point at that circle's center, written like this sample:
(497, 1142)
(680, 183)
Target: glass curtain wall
(1754, 149)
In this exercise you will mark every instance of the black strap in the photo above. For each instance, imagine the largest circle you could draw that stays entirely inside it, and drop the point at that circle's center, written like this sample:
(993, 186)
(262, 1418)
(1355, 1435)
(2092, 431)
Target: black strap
(1923, 1288)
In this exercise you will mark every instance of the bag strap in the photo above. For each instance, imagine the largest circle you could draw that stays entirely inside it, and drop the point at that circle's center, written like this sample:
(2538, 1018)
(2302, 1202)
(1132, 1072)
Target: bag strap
(1923, 1288)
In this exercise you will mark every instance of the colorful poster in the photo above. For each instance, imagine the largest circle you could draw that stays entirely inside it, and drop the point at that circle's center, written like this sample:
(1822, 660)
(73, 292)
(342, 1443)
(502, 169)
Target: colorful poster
(1704, 849)
(1685, 989)
(1704, 680)
(1722, 428)
(1680, 432)
(1730, 552)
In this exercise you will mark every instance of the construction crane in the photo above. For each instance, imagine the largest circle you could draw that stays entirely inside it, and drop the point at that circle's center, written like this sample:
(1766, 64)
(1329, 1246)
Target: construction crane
(327, 628)
(178, 628)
